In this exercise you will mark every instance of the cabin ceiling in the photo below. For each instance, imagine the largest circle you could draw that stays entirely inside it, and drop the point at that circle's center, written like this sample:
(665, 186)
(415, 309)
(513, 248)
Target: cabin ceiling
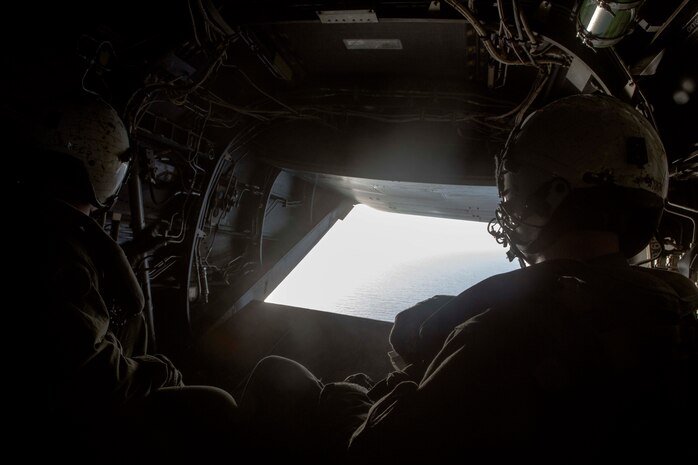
(400, 91)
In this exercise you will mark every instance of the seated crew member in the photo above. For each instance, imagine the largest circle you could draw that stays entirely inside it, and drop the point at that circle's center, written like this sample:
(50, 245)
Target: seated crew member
(573, 357)
(84, 392)
(578, 355)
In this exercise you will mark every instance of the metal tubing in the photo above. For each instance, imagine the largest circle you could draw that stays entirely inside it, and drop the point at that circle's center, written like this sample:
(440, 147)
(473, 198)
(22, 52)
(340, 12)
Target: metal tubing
(135, 192)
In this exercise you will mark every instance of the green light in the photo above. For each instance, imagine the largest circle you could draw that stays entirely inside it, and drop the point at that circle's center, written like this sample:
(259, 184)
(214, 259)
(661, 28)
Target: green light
(602, 24)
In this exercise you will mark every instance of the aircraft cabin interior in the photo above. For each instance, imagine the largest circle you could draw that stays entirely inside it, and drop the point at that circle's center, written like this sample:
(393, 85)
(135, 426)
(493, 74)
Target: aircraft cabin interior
(256, 126)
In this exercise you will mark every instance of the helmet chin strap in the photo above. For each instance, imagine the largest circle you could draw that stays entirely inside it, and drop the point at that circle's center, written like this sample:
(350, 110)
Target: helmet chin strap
(105, 207)
(500, 227)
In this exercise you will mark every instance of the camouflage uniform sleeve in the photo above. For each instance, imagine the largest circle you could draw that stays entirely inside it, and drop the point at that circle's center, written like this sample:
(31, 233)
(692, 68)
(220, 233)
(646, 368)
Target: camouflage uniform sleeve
(93, 370)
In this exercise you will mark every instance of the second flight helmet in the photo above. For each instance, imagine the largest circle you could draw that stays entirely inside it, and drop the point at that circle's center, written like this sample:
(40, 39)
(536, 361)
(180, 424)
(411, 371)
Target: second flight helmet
(87, 135)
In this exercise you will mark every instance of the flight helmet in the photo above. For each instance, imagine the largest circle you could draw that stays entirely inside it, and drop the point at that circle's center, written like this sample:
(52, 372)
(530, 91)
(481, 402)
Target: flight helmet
(585, 162)
(87, 134)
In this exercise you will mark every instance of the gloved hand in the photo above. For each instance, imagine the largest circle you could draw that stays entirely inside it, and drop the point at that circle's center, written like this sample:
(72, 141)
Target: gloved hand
(168, 374)
(405, 333)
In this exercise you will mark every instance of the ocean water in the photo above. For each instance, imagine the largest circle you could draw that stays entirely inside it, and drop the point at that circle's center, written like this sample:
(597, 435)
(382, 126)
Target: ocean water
(381, 294)
(374, 264)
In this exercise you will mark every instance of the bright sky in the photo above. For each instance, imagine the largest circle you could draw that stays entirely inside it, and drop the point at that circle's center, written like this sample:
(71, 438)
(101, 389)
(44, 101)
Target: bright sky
(374, 263)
